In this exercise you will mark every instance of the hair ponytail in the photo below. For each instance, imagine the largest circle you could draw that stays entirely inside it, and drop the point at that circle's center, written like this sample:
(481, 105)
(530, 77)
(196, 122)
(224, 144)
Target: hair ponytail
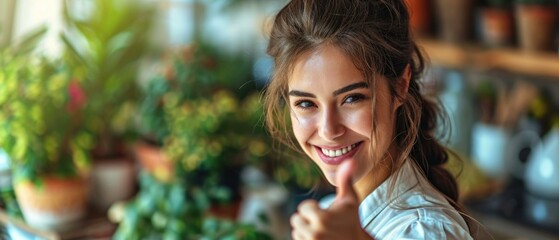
(431, 155)
(419, 138)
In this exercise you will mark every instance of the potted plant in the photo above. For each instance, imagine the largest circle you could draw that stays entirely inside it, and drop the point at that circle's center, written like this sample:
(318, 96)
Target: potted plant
(175, 77)
(496, 23)
(420, 16)
(208, 139)
(455, 19)
(536, 21)
(191, 72)
(41, 118)
(207, 144)
(104, 47)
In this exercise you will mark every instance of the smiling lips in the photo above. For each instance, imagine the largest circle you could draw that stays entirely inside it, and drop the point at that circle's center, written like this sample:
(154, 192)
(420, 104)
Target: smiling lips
(337, 156)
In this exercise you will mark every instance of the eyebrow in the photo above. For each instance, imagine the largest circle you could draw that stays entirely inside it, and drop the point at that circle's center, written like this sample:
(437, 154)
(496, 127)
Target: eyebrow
(350, 87)
(347, 88)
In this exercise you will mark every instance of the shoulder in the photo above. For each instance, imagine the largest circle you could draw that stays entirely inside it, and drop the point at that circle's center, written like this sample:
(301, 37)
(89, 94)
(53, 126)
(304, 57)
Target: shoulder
(423, 223)
(419, 213)
(430, 228)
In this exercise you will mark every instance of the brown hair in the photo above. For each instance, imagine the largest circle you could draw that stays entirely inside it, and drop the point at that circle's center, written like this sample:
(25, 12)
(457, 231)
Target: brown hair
(376, 35)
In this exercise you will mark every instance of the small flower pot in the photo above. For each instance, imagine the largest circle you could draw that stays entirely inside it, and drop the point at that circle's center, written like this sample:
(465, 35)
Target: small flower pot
(154, 161)
(536, 27)
(497, 26)
(53, 204)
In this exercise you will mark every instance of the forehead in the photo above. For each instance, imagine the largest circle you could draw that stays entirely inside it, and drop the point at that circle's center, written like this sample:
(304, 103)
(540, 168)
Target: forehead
(326, 65)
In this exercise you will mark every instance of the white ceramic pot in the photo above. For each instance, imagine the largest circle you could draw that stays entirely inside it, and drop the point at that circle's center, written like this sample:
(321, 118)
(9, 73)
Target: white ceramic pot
(112, 181)
(542, 169)
(489, 145)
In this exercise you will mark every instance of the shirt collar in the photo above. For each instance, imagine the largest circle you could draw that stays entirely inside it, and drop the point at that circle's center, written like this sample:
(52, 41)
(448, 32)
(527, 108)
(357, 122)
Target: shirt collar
(405, 179)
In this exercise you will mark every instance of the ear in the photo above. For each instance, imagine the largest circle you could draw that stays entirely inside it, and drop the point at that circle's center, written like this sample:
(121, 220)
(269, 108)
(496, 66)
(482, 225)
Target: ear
(403, 87)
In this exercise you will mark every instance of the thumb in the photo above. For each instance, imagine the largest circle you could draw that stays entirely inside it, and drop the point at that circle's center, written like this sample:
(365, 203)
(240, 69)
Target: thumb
(346, 192)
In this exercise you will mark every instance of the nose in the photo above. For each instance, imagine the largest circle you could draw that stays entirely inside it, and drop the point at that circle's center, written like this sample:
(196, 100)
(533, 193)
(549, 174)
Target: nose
(331, 126)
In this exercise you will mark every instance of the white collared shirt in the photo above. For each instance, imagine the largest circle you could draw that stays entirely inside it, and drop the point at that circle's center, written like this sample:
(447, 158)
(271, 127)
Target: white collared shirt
(414, 210)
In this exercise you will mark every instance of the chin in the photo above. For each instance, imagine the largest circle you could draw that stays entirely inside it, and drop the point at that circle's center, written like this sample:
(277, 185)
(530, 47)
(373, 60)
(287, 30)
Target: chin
(330, 177)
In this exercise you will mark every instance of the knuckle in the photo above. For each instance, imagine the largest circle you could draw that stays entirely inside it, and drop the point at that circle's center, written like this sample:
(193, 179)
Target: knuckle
(294, 220)
(305, 204)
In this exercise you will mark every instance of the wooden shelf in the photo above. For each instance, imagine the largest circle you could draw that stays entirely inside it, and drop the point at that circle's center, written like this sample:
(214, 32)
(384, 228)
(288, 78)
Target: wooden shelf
(95, 224)
(474, 57)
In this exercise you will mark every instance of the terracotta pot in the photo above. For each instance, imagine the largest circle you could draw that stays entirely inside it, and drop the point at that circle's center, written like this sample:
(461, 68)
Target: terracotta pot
(225, 211)
(420, 16)
(536, 27)
(455, 19)
(55, 203)
(154, 161)
(497, 26)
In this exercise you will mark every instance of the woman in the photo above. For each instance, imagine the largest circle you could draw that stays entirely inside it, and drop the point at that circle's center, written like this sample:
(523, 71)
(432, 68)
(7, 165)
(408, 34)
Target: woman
(346, 73)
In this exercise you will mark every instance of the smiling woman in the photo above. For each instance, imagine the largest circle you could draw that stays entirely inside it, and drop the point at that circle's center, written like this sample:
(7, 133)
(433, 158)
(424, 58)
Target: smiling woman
(347, 76)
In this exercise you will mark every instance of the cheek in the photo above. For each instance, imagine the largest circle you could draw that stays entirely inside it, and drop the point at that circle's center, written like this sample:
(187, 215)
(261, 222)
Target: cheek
(302, 128)
(360, 122)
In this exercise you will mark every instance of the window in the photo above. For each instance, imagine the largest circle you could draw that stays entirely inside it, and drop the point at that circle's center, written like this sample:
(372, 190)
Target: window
(7, 10)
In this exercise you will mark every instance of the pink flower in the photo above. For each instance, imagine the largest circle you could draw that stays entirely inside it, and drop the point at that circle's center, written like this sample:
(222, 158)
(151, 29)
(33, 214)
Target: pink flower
(77, 96)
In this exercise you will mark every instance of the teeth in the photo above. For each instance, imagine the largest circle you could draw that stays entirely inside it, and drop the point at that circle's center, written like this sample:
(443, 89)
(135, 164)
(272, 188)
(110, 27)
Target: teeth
(338, 152)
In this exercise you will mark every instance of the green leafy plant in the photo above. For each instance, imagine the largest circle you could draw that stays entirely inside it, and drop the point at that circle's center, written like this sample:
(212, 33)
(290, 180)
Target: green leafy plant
(41, 117)
(177, 210)
(104, 48)
(187, 76)
(10, 204)
(296, 172)
(193, 72)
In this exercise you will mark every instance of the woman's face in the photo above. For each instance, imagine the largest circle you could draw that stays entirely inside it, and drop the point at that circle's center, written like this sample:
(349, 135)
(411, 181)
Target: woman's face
(332, 112)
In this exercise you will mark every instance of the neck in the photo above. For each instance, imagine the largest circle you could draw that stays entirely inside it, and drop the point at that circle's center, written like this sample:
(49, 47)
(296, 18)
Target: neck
(374, 178)
(371, 181)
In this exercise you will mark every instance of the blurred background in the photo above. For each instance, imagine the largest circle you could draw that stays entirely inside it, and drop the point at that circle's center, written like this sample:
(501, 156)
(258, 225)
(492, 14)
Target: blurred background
(142, 119)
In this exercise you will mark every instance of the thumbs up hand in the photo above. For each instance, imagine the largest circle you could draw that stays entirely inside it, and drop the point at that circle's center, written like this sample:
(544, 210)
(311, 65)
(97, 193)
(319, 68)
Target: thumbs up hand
(339, 221)
(345, 195)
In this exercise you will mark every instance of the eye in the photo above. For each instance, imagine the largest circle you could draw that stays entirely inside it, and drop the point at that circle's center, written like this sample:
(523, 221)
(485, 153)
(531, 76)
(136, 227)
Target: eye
(304, 104)
(354, 98)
